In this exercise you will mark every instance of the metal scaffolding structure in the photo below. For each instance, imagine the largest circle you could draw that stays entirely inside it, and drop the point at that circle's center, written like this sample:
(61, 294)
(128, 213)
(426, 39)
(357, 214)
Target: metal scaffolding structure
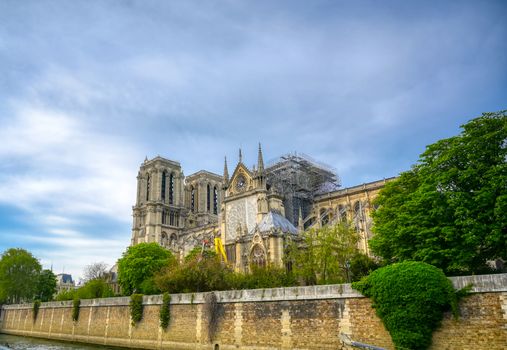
(298, 178)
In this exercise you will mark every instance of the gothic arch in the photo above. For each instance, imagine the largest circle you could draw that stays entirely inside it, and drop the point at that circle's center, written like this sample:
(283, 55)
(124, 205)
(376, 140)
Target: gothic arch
(258, 256)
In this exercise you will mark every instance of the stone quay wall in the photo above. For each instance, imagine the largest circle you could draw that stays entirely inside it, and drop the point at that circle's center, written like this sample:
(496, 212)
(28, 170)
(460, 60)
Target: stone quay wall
(280, 318)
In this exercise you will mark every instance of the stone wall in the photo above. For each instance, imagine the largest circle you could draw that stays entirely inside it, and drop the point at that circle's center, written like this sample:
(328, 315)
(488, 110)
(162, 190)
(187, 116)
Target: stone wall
(280, 318)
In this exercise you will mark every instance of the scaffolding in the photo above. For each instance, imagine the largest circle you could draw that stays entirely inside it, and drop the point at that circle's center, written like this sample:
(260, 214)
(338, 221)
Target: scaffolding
(299, 178)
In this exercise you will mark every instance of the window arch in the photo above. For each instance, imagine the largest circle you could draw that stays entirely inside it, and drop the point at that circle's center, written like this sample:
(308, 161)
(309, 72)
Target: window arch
(208, 199)
(163, 239)
(258, 256)
(215, 200)
(163, 185)
(164, 217)
(148, 186)
(192, 198)
(171, 188)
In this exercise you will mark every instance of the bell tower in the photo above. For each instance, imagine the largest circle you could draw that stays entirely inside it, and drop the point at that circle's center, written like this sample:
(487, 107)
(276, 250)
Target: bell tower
(158, 215)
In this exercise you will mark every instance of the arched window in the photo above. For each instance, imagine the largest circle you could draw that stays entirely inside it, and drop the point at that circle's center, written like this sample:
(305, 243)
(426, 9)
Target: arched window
(171, 188)
(163, 239)
(171, 218)
(358, 215)
(192, 198)
(164, 217)
(324, 217)
(148, 186)
(258, 256)
(208, 199)
(215, 200)
(342, 213)
(162, 187)
(173, 240)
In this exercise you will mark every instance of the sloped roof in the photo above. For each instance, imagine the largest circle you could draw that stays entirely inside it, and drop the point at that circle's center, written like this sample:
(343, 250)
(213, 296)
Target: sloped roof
(273, 221)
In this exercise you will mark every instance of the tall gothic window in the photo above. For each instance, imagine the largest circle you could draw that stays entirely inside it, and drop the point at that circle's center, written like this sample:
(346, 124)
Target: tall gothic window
(215, 200)
(192, 198)
(164, 217)
(162, 189)
(258, 257)
(171, 218)
(171, 188)
(148, 185)
(208, 199)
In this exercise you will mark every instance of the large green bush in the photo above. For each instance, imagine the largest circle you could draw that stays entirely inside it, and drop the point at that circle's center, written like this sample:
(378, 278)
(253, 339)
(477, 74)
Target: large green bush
(139, 264)
(410, 298)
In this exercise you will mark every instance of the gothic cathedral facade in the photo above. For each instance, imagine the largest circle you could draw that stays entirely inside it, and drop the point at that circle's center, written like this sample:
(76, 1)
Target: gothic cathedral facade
(255, 211)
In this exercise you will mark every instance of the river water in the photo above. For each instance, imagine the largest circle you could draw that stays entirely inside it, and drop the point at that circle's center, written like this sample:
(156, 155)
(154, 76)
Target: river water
(23, 343)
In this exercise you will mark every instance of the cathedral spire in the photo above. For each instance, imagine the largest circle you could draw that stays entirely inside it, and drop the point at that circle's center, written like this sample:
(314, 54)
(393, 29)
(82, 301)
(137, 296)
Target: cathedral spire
(260, 161)
(226, 171)
(240, 156)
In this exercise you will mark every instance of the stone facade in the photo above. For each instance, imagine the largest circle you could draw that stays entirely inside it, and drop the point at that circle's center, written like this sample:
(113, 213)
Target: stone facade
(246, 210)
(316, 317)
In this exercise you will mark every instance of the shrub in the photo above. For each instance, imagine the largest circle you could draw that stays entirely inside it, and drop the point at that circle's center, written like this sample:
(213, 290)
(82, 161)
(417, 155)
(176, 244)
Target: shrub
(66, 295)
(197, 273)
(136, 308)
(410, 298)
(76, 303)
(165, 310)
(36, 306)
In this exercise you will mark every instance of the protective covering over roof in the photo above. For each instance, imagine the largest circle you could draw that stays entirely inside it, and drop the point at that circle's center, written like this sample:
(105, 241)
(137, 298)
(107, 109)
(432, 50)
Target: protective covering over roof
(273, 221)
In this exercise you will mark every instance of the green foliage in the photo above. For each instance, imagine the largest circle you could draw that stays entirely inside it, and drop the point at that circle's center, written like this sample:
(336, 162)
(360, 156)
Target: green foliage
(361, 265)
(262, 277)
(139, 264)
(198, 273)
(165, 310)
(198, 253)
(136, 308)
(36, 306)
(93, 289)
(19, 276)
(450, 210)
(46, 285)
(410, 298)
(66, 295)
(322, 256)
(76, 303)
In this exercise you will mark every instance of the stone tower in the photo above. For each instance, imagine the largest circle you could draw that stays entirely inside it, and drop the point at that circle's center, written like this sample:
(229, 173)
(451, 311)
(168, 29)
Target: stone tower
(159, 212)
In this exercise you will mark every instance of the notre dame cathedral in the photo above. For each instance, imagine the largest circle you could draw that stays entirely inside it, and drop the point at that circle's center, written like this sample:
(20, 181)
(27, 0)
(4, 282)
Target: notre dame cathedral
(254, 211)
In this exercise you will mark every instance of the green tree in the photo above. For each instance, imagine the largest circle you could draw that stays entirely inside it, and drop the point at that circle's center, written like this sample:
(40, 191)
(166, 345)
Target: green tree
(201, 271)
(19, 275)
(323, 254)
(46, 286)
(450, 209)
(138, 265)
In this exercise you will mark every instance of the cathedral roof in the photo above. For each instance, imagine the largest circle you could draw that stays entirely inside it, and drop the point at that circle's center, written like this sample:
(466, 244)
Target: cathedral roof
(273, 221)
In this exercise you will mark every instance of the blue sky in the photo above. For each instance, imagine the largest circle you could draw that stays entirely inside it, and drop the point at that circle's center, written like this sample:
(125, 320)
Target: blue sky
(89, 88)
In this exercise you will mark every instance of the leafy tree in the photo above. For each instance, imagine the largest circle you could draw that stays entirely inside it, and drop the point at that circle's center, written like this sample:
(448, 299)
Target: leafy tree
(323, 254)
(139, 264)
(19, 275)
(46, 286)
(97, 270)
(450, 209)
(201, 271)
